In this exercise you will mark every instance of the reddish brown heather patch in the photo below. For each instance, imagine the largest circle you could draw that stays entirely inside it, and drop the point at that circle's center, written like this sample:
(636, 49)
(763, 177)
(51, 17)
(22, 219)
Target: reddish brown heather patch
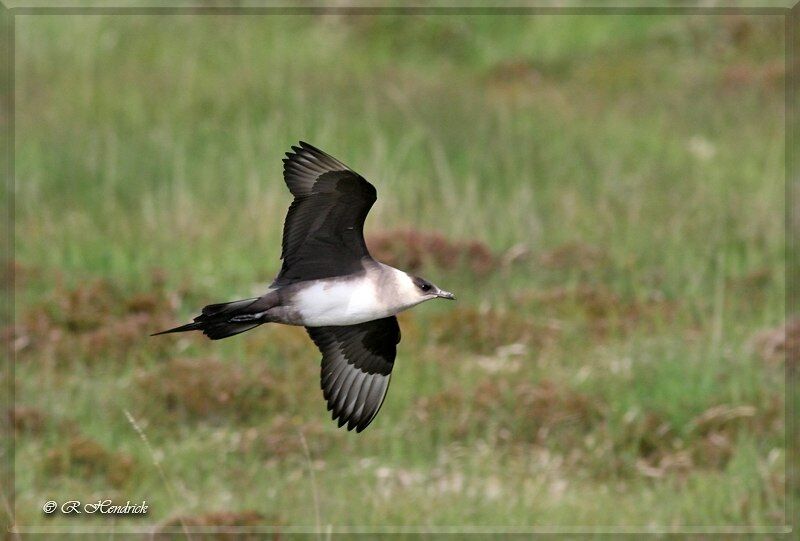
(768, 76)
(484, 330)
(145, 303)
(118, 336)
(708, 441)
(27, 419)
(514, 79)
(749, 289)
(86, 307)
(410, 249)
(93, 321)
(83, 456)
(209, 388)
(779, 344)
(214, 520)
(739, 29)
(539, 412)
(512, 70)
(744, 32)
(20, 273)
(753, 281)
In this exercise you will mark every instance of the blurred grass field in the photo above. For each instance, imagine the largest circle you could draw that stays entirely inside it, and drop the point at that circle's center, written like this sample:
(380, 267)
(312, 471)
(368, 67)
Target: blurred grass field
(604, 194)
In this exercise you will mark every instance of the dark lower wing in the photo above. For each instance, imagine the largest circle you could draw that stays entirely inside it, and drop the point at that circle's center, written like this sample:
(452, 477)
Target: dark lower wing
(357, 363)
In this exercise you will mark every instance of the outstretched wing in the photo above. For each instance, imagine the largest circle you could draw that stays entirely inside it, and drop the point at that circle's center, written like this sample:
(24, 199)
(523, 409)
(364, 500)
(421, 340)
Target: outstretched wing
(357, 363)
(323, 235)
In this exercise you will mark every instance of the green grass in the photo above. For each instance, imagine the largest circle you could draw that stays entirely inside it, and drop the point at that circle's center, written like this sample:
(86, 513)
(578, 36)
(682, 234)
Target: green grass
(638, 161)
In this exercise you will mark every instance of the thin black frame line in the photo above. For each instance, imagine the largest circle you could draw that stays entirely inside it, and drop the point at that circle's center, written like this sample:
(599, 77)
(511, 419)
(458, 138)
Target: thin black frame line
(398, 10)
(791, 123)
(412, 529)
(790, 15)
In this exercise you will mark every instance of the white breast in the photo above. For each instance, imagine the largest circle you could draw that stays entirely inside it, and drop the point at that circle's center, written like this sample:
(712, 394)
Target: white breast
(339, 302)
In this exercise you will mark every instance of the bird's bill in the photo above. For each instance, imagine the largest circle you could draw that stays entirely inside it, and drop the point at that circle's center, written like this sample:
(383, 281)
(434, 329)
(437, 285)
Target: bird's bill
(446, 295)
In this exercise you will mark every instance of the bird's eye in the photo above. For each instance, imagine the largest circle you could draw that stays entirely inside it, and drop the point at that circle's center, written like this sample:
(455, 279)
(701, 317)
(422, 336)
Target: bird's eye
(425, 287)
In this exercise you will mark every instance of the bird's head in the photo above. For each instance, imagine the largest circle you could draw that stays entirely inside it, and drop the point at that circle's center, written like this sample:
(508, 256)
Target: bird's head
(426, 290)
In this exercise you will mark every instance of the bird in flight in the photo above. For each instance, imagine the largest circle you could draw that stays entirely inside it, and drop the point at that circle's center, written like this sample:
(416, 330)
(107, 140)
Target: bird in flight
(329, 283)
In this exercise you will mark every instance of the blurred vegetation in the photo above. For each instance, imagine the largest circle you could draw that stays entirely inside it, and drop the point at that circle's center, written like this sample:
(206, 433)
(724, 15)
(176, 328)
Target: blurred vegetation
(604, 194)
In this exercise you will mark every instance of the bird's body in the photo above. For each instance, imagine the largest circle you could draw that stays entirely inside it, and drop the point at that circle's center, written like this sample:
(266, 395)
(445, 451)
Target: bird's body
(330, 284)
(377, 292)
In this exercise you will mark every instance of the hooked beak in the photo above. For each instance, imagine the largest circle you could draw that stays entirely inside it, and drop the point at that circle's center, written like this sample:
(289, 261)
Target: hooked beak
(446, 295)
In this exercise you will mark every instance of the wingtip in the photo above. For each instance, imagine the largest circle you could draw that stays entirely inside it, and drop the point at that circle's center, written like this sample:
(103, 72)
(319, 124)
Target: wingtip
(364, 423)
(304, 147)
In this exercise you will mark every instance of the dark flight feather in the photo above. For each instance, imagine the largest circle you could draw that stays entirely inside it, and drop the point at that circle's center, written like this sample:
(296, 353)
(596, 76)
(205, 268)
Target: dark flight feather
(323, 235)
(357, 363)
(226, 319)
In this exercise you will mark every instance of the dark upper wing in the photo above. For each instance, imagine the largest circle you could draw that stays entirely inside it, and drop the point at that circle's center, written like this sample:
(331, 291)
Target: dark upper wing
(323, 234)
(357, 364)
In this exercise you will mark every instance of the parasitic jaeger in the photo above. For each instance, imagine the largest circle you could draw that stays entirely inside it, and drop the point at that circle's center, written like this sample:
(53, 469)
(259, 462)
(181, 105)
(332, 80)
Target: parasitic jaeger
(330, 284)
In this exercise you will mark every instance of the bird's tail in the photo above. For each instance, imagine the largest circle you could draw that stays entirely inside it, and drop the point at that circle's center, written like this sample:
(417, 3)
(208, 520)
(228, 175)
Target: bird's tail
(223, 320)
